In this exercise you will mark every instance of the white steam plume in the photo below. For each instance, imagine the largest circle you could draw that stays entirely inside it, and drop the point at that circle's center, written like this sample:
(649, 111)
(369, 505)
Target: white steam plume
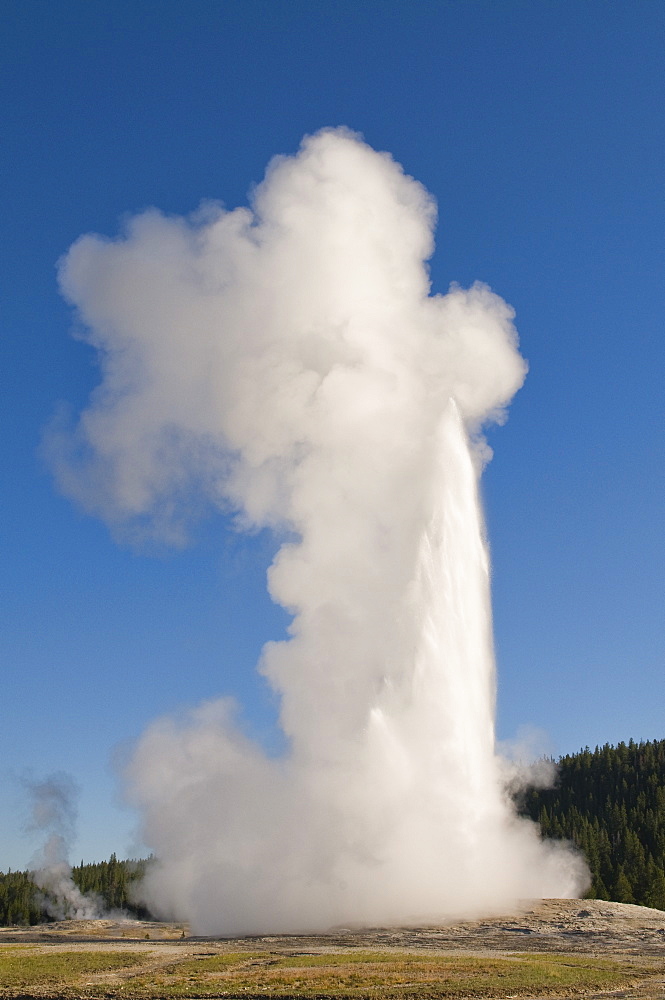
(53, 809)
(288, 362)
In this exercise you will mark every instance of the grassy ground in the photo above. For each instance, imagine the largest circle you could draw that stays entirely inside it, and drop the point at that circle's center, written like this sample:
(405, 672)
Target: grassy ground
(21, 969)
(377, 974)
(397, 975)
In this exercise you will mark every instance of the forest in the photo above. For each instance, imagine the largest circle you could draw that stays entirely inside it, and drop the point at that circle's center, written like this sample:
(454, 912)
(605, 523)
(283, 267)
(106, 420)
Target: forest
(108, 882)
(609, 801)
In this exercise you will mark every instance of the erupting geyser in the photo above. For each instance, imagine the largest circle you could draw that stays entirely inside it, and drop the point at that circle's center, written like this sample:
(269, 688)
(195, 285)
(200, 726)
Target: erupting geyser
(54, 814)
(290, 361)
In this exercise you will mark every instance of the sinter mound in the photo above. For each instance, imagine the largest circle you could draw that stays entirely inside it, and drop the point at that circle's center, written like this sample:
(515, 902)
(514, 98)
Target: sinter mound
(552, 925)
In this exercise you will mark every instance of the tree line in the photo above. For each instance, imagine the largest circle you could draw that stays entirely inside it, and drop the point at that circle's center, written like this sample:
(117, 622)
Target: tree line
(112, 882)
(611, 803)
(21, 901)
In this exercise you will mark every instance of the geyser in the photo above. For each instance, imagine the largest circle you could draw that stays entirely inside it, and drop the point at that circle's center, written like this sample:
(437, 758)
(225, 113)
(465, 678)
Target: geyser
(289, 362)
(53, 807)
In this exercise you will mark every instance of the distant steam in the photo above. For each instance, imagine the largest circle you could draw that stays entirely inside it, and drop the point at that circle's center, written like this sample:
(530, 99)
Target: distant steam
(288, 362)
(53, 807)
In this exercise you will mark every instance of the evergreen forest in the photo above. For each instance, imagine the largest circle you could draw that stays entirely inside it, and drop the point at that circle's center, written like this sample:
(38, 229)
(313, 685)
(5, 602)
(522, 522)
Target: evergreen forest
(609, 801)
(21, 902)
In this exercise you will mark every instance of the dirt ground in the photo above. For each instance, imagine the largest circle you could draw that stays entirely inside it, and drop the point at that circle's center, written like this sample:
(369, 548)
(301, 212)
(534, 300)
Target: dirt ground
(593, 927)
(551, 925)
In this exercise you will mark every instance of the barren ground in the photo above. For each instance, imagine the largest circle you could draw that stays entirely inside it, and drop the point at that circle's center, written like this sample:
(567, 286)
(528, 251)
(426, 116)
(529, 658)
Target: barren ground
(168, 963)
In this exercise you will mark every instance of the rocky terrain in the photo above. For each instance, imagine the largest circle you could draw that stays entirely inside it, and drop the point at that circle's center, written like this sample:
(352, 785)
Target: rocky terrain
(605, 930)
(562, 925)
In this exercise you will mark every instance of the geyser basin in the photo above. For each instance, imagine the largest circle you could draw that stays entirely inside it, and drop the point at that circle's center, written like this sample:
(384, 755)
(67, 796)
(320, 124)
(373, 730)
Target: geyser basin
(291, 361)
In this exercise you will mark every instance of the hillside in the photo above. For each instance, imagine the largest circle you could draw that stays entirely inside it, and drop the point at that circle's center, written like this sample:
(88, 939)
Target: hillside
(611, 803)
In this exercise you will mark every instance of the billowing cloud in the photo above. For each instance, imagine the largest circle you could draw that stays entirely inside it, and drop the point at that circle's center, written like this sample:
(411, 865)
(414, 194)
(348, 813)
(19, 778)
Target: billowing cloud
(289, 363)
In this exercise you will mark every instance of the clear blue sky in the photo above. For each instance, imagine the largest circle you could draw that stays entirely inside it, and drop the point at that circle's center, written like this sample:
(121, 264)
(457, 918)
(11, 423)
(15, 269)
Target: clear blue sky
(539, 127)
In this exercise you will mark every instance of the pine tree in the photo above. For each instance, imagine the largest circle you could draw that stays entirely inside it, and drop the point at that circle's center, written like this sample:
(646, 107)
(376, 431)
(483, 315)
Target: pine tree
(611, 803)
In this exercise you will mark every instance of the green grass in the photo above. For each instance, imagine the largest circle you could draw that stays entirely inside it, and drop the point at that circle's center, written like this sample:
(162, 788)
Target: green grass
(24, 969)
(365, 974)
(345, 975)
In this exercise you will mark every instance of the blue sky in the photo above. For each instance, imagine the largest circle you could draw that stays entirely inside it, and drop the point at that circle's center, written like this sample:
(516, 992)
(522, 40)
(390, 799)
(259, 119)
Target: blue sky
(539, 129)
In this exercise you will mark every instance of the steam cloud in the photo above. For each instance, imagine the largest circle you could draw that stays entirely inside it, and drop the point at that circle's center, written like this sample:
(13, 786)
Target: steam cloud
(54, 814)
(289, 363)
